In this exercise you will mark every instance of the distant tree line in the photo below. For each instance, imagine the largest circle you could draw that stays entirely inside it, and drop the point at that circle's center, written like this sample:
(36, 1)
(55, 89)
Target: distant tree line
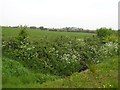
(72, 29)
(41, 27)
(66, 29)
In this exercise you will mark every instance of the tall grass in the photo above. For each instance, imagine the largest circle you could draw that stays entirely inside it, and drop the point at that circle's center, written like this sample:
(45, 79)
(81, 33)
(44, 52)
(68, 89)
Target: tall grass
(15, 74)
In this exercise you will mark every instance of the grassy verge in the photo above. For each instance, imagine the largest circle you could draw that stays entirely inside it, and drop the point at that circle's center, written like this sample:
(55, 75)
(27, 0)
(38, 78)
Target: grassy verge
(16, 75)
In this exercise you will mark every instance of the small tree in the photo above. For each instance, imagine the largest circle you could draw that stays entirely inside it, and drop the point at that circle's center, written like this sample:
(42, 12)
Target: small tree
(23, 36)
(107, 35)
(41, 27)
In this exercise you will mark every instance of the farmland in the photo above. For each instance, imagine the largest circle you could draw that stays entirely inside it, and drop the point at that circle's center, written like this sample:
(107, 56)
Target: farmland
(34, 58)
(36, 34)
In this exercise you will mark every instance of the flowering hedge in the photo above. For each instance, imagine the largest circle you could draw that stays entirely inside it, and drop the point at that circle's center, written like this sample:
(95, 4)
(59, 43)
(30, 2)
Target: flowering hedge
(63, 56)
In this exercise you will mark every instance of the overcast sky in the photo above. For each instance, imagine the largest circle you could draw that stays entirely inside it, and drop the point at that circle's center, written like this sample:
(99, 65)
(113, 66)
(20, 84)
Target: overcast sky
(87, 14)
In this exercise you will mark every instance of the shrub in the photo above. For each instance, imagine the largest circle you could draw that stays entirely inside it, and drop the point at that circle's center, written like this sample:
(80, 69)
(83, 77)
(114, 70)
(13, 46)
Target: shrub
(107, 35)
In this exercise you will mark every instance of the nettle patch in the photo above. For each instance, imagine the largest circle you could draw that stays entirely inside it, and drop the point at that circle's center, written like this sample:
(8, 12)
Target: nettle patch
(63, 56)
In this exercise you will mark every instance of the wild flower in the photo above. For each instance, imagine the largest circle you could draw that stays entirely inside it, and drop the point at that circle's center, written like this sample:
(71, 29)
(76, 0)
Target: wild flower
(29, 48)
(74, 57)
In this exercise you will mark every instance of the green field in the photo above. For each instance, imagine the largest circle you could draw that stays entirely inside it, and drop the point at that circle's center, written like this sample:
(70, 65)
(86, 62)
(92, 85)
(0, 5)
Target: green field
(36, 34)
(49, 59)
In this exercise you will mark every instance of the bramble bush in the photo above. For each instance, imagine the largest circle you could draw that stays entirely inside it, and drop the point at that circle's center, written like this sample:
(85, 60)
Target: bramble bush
(63, 56)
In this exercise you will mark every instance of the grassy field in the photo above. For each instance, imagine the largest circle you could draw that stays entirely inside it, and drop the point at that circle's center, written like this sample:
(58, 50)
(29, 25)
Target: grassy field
(36, 34)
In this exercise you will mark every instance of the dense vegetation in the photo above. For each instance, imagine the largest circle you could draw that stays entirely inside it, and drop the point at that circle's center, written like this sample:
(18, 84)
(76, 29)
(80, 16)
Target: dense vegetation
(104, 76)
(52, 57)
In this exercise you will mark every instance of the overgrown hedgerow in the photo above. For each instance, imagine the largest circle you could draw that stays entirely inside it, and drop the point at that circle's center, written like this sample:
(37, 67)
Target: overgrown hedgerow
(63, 56)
